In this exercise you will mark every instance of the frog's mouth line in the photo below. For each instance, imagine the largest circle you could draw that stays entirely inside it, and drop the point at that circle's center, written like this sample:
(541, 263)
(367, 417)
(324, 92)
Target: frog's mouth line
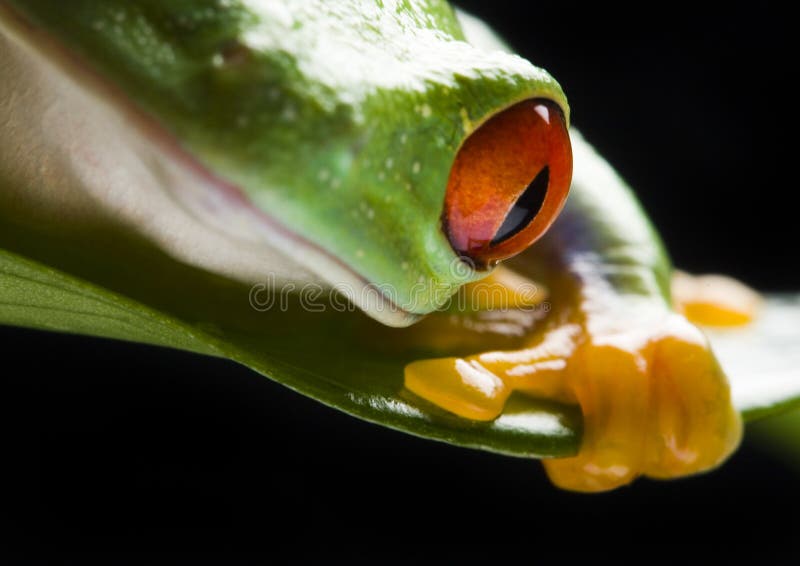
(222, 201)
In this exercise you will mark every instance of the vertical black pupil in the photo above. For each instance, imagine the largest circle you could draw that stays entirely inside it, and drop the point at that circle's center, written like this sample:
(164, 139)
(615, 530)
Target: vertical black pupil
(525, 209)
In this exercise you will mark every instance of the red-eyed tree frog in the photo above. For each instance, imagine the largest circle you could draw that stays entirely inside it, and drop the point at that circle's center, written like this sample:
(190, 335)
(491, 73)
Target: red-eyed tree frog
(394, 151)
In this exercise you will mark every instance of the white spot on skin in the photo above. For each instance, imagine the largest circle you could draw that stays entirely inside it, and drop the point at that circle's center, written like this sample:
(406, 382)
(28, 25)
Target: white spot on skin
(416, 167)
(289, 113)
(466, 122)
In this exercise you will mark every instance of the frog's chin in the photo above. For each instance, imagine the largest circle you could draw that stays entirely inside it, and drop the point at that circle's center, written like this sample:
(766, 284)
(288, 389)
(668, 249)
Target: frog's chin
(84, 153)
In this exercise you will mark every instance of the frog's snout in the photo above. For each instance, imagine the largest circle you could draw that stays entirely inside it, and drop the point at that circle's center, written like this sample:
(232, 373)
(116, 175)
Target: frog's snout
(508, 183)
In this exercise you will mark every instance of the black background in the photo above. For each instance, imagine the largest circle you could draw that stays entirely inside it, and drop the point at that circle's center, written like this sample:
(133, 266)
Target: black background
(121, 449)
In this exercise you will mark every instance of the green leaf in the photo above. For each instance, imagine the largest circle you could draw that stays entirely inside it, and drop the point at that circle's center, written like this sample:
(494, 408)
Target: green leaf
(780, 435)
(344, 359)
(322, 355)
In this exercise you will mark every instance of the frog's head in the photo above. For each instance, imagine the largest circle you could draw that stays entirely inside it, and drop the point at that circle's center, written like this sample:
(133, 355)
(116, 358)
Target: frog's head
(381, 150)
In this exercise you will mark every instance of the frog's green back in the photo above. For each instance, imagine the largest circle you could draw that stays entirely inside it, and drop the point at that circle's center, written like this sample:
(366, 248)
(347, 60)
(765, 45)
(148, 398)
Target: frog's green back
(339, 119)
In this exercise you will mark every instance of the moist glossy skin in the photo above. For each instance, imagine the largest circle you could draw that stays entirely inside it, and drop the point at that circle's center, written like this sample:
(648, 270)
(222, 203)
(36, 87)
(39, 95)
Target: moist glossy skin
(654, 400)
(339, 120)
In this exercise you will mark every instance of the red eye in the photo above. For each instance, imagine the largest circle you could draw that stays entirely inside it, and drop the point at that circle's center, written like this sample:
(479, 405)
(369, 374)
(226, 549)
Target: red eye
(508, 183)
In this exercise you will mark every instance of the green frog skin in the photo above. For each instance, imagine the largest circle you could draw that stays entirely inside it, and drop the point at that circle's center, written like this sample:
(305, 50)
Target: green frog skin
(309, 141)
(311, 112)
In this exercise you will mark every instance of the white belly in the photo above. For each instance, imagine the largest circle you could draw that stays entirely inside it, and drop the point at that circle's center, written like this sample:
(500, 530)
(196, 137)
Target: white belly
(69, 158)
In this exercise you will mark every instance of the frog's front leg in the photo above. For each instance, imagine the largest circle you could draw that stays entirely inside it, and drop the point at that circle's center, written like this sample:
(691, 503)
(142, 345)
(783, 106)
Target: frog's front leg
(653, 397)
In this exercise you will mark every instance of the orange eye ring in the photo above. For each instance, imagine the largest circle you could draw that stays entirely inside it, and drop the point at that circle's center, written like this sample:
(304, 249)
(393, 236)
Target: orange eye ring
(508, 183)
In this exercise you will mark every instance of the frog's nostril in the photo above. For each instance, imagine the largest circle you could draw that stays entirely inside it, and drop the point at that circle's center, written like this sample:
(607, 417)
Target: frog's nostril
(508, 182)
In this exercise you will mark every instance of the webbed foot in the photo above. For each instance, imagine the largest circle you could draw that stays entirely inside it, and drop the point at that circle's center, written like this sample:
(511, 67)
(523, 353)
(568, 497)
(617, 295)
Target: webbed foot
(654, 399)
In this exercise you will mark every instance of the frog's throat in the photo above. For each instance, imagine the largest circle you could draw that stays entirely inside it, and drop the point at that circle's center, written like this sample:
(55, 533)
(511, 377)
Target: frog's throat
(178, 203)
